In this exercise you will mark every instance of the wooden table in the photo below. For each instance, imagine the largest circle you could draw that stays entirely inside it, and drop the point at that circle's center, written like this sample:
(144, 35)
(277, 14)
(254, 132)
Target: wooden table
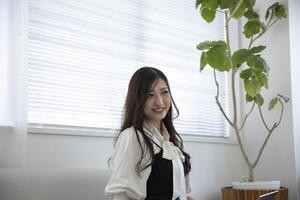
(228, 193)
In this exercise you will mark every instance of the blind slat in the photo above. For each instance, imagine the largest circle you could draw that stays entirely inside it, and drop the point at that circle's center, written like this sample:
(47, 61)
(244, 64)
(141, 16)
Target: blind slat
(82, 54)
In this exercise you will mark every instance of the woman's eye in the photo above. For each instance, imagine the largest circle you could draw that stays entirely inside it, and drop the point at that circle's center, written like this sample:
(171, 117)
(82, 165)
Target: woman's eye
(150, 95)
(165, 92)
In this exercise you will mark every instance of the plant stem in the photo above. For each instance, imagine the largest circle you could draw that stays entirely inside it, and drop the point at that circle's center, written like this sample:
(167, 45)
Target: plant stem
(267, 28)
(264, 145)
(227, 34)
(251, 173)
(233, 69)
(281, 113)
(270, 131)
(218, 101)
(247, 117)
(245, 156)
(263, 119)
(234, 123)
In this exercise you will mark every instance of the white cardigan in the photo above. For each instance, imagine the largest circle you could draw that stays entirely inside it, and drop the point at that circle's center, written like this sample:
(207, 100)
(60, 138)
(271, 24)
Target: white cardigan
(125, 183)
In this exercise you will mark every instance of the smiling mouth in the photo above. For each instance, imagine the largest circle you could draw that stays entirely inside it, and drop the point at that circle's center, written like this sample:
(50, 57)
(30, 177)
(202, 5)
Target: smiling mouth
(158, 110)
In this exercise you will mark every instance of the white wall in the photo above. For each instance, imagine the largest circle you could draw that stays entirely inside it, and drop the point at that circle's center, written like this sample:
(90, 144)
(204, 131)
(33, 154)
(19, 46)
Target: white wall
(294, 28)
(213, 165)
(278, 161)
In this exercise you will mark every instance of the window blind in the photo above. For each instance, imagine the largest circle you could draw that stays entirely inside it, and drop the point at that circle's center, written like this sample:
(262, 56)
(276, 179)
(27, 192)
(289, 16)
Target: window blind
(82, 53)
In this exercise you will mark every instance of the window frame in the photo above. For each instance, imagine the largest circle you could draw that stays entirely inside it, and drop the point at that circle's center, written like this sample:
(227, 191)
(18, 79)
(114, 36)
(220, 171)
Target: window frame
(34, 128)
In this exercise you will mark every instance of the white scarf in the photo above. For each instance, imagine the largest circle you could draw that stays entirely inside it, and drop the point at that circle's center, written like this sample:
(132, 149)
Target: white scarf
(169, 149)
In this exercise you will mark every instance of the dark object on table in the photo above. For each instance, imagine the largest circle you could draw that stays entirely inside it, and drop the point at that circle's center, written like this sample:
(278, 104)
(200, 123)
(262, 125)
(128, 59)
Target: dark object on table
(268, 196)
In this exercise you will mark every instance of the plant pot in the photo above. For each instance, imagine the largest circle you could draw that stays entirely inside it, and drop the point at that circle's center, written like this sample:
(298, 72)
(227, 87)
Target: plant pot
(258, 185)
(228, 193)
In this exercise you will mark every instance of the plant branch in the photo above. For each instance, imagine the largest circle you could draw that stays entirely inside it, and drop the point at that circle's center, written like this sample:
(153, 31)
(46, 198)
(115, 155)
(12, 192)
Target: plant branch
(281, 112)
(227, 34)
(233, 71)
(245, 119)
(217, 99)
(263, 119)
(234, 123)
(234, 96)
(238, 135)
(270, 131)
(263, 146)
(250, 43)
(268, 26)
(271, 17)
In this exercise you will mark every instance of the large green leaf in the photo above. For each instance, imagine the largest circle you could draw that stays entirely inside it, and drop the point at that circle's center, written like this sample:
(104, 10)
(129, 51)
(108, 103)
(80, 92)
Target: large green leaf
(249, 88)
(204, 45)
(272, 103)
(251, 14)
(208, 14)
(239, 13)
(249, 98)
(257, 49)
(246, 74)
(211, 4)
(240, 56)
(259, 64)
(263, 79)
(227, 3)
(259, 99)
(251, 28)
(209, 44)
(280, 11)
(270, 11)
(249, 3)
(218, 58)
(197, 3)
(276, 9)
(218, 43)
(203, 61)
(252, 86)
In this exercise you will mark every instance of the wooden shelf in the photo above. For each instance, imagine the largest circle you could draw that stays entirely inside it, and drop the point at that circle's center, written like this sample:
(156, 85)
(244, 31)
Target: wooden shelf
(228, 193)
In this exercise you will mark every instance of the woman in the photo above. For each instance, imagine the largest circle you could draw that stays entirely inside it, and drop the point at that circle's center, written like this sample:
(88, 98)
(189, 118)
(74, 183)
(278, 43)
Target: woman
(149, 161)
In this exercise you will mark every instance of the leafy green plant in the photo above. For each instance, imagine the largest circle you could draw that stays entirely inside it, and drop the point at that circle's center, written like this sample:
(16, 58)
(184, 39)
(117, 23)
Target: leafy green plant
(247, 63)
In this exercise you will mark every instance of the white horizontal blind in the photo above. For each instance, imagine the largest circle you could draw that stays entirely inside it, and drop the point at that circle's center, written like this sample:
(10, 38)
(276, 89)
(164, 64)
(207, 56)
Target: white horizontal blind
(82, 54)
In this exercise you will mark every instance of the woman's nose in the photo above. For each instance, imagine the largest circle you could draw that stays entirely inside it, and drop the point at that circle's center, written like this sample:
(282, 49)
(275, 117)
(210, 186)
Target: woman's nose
(159, 100)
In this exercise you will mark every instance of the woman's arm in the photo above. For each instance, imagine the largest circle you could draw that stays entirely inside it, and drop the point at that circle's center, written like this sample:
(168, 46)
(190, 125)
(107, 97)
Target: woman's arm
(187, 184)
(120, 196)
(124, 182)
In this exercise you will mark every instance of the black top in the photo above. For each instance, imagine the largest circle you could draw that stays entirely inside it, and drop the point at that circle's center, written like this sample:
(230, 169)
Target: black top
(160, 181)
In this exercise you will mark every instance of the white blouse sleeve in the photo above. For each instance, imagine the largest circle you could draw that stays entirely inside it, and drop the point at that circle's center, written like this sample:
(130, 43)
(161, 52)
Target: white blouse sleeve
(124, 182)
(188, 184)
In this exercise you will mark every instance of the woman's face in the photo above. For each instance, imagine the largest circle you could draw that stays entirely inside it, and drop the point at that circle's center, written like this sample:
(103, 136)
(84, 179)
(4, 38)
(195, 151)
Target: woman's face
(158, 102)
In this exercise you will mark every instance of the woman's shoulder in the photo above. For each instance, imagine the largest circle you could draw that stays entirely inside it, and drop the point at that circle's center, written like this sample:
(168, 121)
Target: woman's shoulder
(129, 139)
(129, 130)
(129, 134)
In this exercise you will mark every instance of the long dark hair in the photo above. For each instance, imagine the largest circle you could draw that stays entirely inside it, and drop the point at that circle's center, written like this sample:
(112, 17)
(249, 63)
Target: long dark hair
(139, 86)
